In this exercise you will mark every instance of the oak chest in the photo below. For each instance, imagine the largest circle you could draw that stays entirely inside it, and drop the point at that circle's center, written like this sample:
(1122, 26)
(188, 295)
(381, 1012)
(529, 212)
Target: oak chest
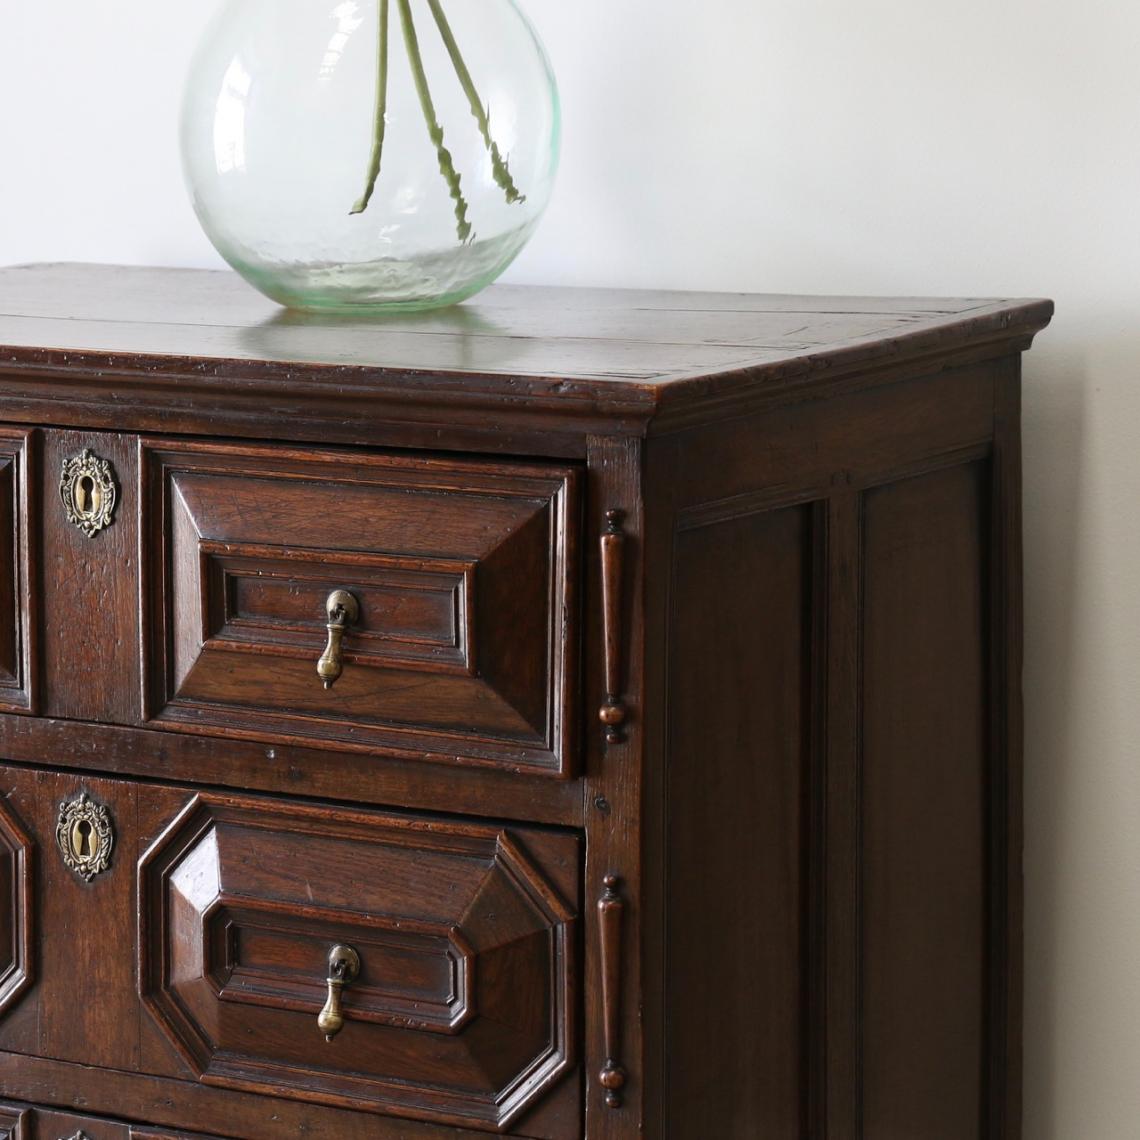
(575, 714)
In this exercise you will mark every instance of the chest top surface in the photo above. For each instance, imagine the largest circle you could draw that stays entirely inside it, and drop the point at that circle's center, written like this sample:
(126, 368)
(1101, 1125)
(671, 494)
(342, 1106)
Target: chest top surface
(598, 359)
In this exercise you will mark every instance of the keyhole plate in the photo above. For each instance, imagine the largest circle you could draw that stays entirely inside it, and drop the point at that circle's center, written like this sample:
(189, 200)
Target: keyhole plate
(85, 837)
(87, 490)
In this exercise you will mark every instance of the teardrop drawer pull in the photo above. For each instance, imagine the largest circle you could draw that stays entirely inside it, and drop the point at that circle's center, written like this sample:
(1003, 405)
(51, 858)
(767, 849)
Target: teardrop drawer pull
(343, 610)
(344, 969)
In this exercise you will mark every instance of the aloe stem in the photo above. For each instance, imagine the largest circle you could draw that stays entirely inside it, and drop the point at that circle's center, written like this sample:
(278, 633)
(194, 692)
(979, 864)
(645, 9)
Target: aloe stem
(435, 131)
(381, 114)
(498, 163)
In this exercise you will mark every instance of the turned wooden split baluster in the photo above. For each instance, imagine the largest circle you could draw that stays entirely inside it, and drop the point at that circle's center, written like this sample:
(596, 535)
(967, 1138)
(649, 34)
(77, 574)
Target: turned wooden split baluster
(611, 913)
(613, 712)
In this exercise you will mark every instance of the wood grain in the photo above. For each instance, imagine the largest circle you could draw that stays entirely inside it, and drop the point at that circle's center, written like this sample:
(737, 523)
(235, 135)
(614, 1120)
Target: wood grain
(737, 822)
(924, 852)
(19, 594)
(780, 535)
(463, 1011)
(201, 352)
(498, 688)
(90, 590)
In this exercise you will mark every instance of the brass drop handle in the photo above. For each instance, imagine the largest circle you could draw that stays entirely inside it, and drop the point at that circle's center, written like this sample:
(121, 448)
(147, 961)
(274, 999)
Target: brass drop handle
(344, 968)
(343, 610)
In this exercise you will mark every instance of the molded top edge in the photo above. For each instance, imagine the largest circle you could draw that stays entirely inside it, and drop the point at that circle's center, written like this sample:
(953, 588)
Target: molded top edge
(597, 353)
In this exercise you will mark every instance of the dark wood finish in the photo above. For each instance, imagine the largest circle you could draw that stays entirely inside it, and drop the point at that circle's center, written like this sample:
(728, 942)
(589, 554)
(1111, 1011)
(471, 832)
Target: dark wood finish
(1004, 803)
(741, 737)
(613, 788)
(26, 1122)
(840, 1090)
(613, 712)
(611, 916)
(84, 1005)
(212, 1111)
(773, 542)
(516, 370)
(291, 770)
(924, 759)
(18, 640)
(13, 1118)
(17, 909)
(910, 852)
(90, 589)
(465, 649)
(463, 1011)
(160, 1134)
(43, 1124)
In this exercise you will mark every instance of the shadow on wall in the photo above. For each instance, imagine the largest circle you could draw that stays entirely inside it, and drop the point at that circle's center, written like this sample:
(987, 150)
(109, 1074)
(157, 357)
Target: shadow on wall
(1055, 419)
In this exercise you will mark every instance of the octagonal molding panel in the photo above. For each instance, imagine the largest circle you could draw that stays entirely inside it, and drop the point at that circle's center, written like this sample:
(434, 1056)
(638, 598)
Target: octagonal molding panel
(463, 1010)
(16, 955)
(461, 643)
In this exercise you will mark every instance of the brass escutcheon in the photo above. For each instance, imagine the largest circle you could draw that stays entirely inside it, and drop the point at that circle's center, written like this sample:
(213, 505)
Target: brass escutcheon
(87, 490)
(85, 837)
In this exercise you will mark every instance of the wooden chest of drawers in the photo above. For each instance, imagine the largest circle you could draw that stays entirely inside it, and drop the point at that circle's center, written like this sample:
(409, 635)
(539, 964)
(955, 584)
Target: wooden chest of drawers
(576, 714)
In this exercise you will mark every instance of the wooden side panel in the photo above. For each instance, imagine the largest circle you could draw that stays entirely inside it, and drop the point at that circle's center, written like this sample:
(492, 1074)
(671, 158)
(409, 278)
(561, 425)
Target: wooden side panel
(737, 790)
(924, 796)
(905, 849)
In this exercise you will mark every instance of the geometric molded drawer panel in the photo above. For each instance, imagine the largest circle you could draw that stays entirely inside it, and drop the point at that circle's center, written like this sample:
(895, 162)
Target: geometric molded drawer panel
(16, 935)
(462, 641)
(463, 1009)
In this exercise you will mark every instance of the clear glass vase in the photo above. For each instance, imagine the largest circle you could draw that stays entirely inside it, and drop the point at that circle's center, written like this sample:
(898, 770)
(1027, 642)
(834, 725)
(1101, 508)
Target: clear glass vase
(370, 154)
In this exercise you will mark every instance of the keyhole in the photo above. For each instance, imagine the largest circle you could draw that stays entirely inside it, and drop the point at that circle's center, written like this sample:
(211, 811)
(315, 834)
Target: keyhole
(85, 495)
(81, 840)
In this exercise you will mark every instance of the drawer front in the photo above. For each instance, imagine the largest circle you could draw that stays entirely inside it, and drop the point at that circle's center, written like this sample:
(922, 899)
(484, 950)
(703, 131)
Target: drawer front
(17, 625)
(461, 643)
(26, 1122)
(462, 1011)
(460, 1005)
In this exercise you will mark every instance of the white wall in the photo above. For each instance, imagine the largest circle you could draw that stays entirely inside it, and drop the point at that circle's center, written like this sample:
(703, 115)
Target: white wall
(979, 147)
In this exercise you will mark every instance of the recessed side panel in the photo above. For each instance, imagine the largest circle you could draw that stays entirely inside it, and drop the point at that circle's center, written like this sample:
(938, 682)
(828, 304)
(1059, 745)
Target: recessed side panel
(924, 805)
(738, 781)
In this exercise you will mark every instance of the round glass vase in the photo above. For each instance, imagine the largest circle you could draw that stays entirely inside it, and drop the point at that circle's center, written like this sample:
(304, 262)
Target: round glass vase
(370, 155)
